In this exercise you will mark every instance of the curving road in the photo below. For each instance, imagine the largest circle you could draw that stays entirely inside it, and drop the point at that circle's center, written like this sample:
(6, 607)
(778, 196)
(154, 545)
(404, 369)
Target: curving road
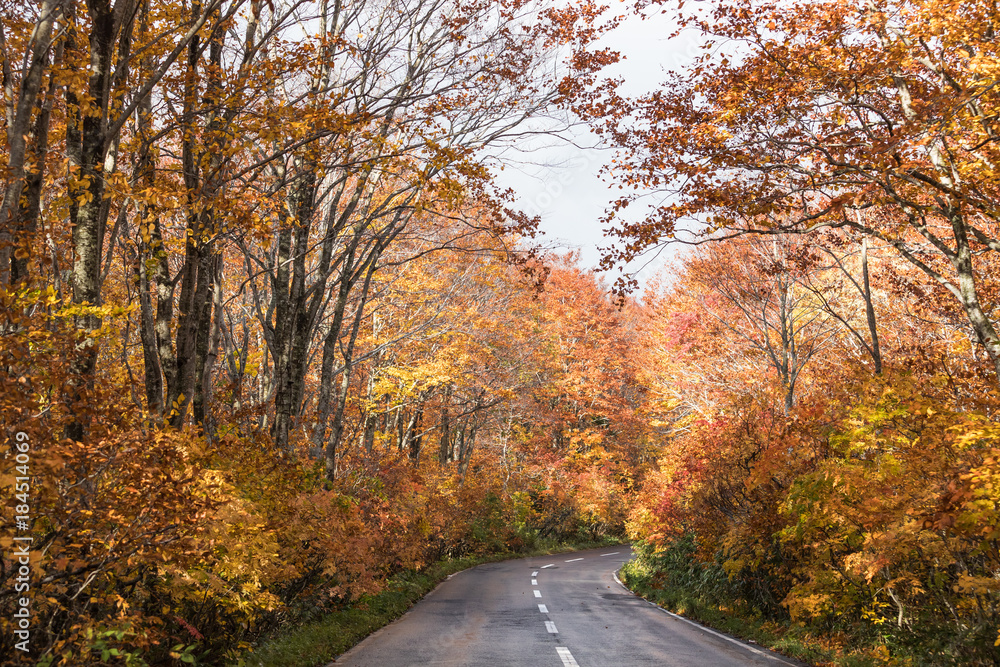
(548, 611)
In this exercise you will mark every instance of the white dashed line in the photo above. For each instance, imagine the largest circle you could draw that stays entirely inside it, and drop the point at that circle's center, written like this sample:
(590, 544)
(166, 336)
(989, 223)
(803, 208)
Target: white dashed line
(551, 627)
(573, 560)
(535, 573)
(613, 553)
(566, 657)
(542, 608)
(549, 565)
(538, 593)
(534, 582)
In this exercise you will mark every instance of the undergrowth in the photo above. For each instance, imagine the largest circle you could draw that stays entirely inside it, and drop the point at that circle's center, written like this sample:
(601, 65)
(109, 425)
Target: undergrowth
(675, 580)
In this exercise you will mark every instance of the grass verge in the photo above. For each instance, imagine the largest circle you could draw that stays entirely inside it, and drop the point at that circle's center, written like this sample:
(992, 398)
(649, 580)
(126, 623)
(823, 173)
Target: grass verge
(319, 642)
(785, 637)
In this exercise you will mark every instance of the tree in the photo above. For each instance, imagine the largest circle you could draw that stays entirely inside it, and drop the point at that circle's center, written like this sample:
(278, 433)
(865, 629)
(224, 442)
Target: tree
(282, 211)
(744, 307)
(875, 117)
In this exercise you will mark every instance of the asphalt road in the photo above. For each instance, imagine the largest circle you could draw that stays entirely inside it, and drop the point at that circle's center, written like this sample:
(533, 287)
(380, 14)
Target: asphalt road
(548, 611)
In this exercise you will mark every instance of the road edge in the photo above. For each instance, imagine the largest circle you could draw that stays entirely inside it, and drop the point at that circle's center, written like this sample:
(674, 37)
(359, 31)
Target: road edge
(753, 648)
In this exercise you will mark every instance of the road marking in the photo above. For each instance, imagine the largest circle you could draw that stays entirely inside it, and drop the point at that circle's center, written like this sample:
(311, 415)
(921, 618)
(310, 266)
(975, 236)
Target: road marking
(542, 608)
(535, 573)
(613, 553)
(551, 627)
(769, 656)
(566, 657)
(538, 593)
(573, 560)
(534, 582)
(549, 565)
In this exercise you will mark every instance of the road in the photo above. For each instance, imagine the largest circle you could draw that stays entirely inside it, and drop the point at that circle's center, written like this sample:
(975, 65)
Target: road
(560, 611)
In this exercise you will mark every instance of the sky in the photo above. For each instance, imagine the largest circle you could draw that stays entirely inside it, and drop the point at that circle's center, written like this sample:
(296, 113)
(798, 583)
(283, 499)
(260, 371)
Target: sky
(560, 181)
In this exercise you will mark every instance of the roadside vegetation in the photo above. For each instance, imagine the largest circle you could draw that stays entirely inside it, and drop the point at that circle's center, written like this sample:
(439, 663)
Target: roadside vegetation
(678, 581)
(270, 336)
(826, 354)
(277, 352)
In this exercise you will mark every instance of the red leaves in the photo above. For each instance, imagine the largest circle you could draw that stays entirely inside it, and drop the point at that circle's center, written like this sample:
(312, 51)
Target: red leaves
(193, 631)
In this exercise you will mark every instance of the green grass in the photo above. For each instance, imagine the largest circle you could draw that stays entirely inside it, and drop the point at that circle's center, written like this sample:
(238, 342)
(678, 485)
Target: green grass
(319, 642)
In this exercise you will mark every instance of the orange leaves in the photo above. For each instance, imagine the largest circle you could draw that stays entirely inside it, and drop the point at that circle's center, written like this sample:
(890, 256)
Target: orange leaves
(868, 500)
(191, 171)
(806, 108)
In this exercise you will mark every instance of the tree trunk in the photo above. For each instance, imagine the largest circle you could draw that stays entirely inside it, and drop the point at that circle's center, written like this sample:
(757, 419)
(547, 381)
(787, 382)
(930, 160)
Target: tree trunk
(397, 427)
(968, 295)
(444, 453)
(179, 394)
(148, 234)
(18, 131)
(153, 379)
(208, 341)
(164, 316)
(30, 205)
(337, 432)
(345, 283)
(86, 146)
(368, 441)
(410, 442)
(202, 187)
(371, 416)
(468, 445)
(876, 350)
(293, 316)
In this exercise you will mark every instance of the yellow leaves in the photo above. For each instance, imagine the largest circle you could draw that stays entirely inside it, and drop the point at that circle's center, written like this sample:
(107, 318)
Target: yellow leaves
(874, 617)
(733, 566)
(969, 584)
(804, 607)
(87, 310)
(83, 197)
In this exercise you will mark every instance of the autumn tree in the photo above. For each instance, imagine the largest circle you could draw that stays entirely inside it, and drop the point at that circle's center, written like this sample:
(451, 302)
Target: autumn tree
(232, 232)
(861, 136)
(873, 117)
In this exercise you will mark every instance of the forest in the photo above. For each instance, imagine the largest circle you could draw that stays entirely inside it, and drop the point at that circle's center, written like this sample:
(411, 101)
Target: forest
(273, 335)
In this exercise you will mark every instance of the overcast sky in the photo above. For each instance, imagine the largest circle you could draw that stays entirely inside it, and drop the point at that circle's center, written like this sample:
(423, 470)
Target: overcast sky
(559, 181)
